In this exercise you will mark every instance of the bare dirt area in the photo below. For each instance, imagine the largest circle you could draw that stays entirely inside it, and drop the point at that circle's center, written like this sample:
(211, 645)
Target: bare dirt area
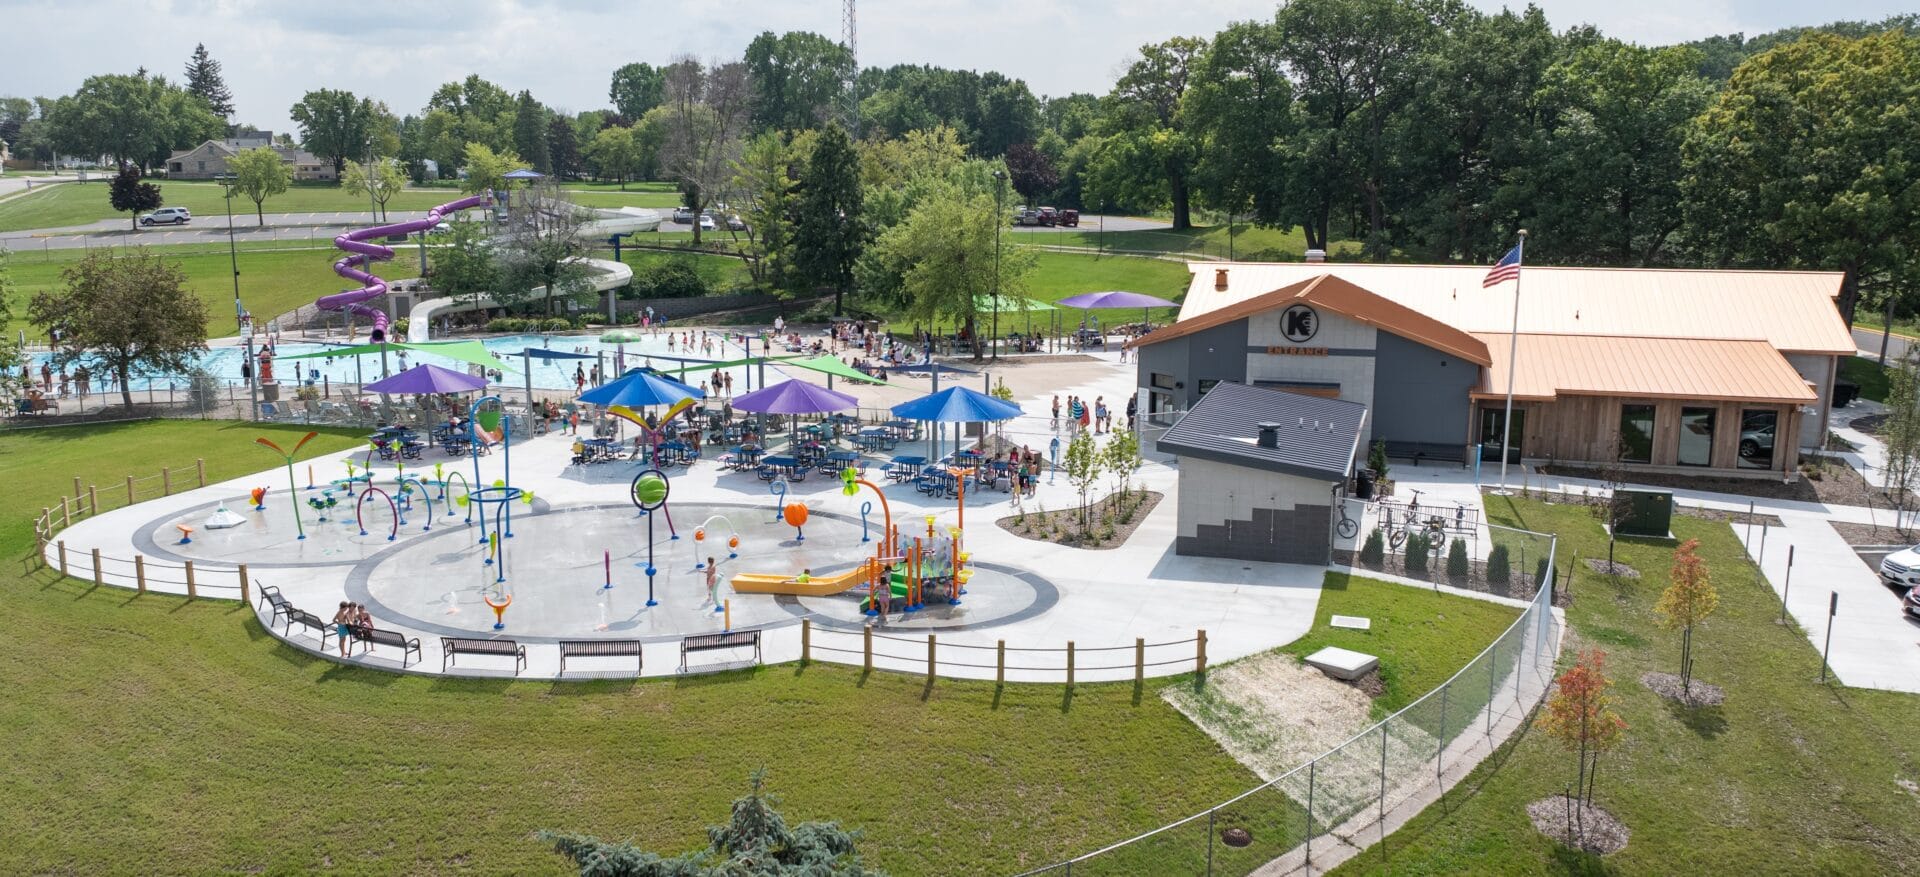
(1271, 712)
(1577, 825)
(1694, 693)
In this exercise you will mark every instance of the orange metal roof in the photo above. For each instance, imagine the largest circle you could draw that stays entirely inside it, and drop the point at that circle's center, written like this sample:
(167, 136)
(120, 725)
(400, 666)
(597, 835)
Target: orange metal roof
(1342, 297)
(1670, 368)
(1792, 310)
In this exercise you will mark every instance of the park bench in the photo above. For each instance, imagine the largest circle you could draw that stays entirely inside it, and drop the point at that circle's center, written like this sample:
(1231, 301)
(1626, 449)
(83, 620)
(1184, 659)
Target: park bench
(377, 637)
(602, 648)
(706, 642)
(270, 596)
(506, 648)
(311, 622)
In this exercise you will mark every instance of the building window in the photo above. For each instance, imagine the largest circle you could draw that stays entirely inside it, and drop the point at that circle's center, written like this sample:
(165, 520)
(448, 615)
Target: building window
(1207, 384)
(1757, 430)
(200, 165)
(1162, 382)
(1636, 433)
(1696, 436)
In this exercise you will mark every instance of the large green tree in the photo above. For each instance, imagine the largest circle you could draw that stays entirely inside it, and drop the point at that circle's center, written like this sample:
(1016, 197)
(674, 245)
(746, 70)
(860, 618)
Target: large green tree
(380, 180)
(798, 79)
(530, 132)
(258, 174)
(615, 154)
(465, 268)
(487, 169)
(702, 122)
(636, 88)
(563, 148)
(124, 311)
(1150, 156)
(336, 125)
(765, 178)
(1240, 104)
(830, 228)
(205, 82)
(130, 118)
(131, 194)
(1807, 158)
(948, 258)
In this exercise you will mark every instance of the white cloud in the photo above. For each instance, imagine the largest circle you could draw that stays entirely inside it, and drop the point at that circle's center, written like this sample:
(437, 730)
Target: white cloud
(565, 51)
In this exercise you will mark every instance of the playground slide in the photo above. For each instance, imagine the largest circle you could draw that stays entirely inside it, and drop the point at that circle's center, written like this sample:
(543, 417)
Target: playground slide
(372, 287)
(819, 586)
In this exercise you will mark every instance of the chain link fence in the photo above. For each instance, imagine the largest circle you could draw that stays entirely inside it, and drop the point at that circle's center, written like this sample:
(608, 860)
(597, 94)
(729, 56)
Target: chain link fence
(1332, 808)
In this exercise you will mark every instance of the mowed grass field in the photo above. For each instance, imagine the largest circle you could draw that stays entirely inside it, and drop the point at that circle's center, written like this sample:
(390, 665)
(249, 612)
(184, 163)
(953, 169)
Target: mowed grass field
(1790, 776)
(156, 735)
(81, 203)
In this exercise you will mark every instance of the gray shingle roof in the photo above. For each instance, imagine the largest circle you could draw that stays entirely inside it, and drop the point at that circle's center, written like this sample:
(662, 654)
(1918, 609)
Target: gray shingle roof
(1224, 427)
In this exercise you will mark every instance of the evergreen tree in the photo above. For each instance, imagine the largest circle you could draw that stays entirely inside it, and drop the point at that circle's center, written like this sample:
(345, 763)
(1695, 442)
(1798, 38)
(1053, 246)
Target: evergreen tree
(205, 82)
(563, 148)
(829, 234)
(530, 132)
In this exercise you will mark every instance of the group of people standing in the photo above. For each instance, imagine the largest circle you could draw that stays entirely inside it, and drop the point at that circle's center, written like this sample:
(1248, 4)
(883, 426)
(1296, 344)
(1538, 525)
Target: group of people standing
(1097, 417)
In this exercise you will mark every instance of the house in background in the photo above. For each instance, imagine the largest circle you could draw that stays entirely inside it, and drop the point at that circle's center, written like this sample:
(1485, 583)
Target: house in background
(209, 160)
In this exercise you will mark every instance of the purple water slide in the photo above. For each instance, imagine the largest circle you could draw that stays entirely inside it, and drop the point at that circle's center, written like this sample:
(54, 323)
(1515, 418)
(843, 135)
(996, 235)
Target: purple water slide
(365, 253)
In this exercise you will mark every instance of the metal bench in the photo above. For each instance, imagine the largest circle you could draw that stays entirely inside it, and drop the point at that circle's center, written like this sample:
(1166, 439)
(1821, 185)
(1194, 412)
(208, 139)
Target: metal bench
(311, 622)
(602, 648)
(270, 596)
(377, 637)
(506, 648)
(706, 642)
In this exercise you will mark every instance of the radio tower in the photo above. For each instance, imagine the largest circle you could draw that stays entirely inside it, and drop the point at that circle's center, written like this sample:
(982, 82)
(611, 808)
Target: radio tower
(848, 32)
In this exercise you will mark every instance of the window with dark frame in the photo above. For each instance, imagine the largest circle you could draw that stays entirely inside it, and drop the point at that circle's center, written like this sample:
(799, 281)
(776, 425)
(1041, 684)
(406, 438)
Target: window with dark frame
(1636, 433)
(1696, 436)
(1758, 427)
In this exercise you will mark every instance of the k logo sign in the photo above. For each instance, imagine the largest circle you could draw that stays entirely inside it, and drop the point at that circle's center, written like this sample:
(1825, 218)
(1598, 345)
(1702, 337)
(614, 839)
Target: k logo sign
(1299, 323)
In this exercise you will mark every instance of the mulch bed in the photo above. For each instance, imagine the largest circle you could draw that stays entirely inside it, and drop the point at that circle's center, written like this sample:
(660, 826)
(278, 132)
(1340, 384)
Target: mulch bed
(1598, 503)
(1520, 584)
(1871, 534)
(1694, 694)
(1613, 568)
(1062, 526)
(1821, 478)
(1592, 829)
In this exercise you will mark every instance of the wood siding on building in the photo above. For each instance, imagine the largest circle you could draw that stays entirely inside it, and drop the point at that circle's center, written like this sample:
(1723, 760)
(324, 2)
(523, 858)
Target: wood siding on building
(1586, 429)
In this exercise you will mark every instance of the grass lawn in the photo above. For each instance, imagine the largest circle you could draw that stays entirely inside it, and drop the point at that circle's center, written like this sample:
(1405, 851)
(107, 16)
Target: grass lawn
(271, 282)
(1422, 637)
(156, 735)
(1246, 242)
(82, 203)
(1790, 776)
(1868, 373)
(722, 273)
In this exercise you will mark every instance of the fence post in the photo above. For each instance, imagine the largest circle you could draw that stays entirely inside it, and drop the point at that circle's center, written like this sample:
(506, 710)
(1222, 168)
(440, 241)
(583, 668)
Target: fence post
(93, 501)
(866, 649)
(244, 598)
(1069, 663)
(1000, 664)
(166, 481)
(1493, 672)
(1200, 654)
(1139, 659)
(192, 591)
(1440, 750)
(930, 644)
(1312, 768)
(129, 490)
(76, 487)
(66, 513)
(200, 470)
(806, 637)
(140, 572)
(63, 557)
(96, 567)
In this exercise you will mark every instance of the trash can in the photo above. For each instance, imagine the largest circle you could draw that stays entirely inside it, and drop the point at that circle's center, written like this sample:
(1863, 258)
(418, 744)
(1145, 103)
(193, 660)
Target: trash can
(1363, 484)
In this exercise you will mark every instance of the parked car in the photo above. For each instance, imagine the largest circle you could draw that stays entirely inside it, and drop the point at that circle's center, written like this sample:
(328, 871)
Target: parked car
(1912, 603)
(706, 222)
(1756, 441)
(683, 215)
(1026, 217)
(168, 216)
(1069, 219)
(735, 223)
(1049, 216)
(1901, 568)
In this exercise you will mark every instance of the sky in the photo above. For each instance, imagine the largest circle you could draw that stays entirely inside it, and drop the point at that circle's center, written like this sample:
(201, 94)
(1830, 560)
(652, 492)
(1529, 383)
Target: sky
(273, 52)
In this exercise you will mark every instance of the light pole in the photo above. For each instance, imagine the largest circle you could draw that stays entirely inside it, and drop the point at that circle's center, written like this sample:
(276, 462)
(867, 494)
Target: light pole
(999, 219)
(239, 321)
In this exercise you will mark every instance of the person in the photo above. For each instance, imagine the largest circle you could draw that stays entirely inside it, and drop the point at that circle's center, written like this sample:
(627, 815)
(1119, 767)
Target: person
(1133, 404)
(573, 422)
(80, 378)
(1102, 419)
(362, 620)
(579, 378)
(1056, 411)
(343, 625)
(46, 377)
(805, 576)
(713, 581)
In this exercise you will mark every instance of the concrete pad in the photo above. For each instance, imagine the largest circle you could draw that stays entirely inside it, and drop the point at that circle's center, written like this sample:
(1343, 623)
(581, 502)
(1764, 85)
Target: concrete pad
(1351, 622)
(1343, 663)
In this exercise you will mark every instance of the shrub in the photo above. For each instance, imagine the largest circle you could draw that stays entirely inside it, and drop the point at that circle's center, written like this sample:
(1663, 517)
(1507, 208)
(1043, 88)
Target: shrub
(400, 328)
(1499, 568)
(1375, 549)
(1540, 572)
(1417, 550)
(1377, 459)
(557, 324)
(1457, 566)
(675, 279)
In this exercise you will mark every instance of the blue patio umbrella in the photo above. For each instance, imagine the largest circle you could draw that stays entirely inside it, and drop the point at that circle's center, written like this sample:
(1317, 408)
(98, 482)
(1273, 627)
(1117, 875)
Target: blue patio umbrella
(640, 388)
(955, 405)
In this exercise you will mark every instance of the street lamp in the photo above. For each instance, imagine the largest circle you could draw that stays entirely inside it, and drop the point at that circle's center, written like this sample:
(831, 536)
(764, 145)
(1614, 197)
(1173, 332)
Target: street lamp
(999, 219)
(239, 318)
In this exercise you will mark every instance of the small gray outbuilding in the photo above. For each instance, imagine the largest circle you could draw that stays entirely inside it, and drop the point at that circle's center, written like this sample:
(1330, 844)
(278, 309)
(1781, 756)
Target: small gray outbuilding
(1260, 471)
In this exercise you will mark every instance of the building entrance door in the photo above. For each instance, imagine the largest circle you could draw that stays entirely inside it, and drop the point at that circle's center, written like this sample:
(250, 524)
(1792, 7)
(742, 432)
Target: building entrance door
(1493, 436)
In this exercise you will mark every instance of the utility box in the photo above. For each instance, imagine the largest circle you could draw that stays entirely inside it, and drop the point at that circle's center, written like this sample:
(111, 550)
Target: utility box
(1647, 513)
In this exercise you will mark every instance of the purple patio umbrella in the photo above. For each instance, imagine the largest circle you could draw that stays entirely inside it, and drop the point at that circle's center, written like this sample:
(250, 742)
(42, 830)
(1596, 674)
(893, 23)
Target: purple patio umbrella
(1116, 299)
(795, 397)
(427, 379)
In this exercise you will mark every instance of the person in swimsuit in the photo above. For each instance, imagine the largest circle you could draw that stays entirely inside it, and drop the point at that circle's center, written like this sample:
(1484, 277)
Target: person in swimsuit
(343, 625)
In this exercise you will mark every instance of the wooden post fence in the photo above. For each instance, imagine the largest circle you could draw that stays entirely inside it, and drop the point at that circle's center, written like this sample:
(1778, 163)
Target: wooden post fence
(200, 470)
(76, 487)
(1069, 663)
(1139, 660)
(166, 481)
(93, 501)
(192, 591)
(96, 568)
(1000, 664)
(930, 639)
(129, 490)
(806, 638)
(63, 557)
(1200, 653)
(140, 572)
(243, 586)
(866, 649)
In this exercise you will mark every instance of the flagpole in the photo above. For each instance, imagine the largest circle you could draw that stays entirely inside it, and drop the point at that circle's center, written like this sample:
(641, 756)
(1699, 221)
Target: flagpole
(1513, 356)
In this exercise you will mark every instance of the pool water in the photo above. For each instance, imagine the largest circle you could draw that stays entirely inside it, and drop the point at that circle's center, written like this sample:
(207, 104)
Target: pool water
(546, 374)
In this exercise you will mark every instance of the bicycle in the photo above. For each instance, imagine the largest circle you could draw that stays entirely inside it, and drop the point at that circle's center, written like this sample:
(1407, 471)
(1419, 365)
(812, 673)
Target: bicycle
(1347, 526)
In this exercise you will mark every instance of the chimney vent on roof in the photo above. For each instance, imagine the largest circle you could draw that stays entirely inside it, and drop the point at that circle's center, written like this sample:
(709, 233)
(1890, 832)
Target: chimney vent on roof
(1220, 280)
(1269, 435)
(1315, 254)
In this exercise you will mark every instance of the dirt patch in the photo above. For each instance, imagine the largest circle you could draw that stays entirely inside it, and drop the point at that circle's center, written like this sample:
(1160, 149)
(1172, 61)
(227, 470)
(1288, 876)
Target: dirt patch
(1578, 825)
(1612, 568)
(1369, 683)
(1693, 694)
(1113, 521)
(1271, 712)
(1598, 503)
(1876, 534)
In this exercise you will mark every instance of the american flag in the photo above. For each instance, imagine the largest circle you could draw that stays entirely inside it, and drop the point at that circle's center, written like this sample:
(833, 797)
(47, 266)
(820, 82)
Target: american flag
(1508, 268)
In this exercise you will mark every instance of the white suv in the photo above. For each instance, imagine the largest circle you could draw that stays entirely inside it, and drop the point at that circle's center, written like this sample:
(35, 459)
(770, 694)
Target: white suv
(168, 216)
(1901, 568)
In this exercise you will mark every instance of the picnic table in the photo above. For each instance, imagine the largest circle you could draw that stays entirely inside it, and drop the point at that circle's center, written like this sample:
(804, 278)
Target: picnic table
(745, 456)
(876, 439)
(776, 465)
(599, 450)
(904, 467)
(904, 430)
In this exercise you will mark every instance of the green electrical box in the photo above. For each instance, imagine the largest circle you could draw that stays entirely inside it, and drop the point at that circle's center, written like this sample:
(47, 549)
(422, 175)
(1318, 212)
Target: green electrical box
(1647, 513)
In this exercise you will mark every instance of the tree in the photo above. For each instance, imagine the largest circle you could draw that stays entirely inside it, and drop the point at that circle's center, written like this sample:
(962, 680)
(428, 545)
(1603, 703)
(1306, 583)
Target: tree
(486, 169)
(1801, 161)
(380, 180)
(336, 126)
(616, 154)
(530, 132)
(11, 359)
(205, 82)
(1688, 600)
(1122, 453)
(798, 79)
(131, 195)
(829, 231)
(541, 249)
(1152, 157)
(1083, 464)
(1901, 431)
(563, 149)
(706, 113)
(1580, 715)
(1240, 104)
(258, 174)
(130, 118)
(465, 268)
(636, 88)
(939, 262)
(126, 311)
(764, 177)
(1030, 171)
(756, 841)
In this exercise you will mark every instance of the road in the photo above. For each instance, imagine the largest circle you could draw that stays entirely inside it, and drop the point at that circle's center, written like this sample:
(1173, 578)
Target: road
(1868, 340)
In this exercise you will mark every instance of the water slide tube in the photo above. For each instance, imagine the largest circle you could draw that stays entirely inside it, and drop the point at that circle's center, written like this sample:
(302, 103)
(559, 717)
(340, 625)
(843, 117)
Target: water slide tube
(816, 586)
(366, 253)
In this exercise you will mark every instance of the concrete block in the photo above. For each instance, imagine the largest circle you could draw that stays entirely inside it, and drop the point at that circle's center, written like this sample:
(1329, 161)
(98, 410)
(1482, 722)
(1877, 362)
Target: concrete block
(1342, 663)
(1351, 622)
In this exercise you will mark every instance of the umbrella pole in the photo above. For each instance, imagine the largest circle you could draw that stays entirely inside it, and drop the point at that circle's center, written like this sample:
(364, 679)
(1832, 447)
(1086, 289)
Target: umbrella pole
(526, 365)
